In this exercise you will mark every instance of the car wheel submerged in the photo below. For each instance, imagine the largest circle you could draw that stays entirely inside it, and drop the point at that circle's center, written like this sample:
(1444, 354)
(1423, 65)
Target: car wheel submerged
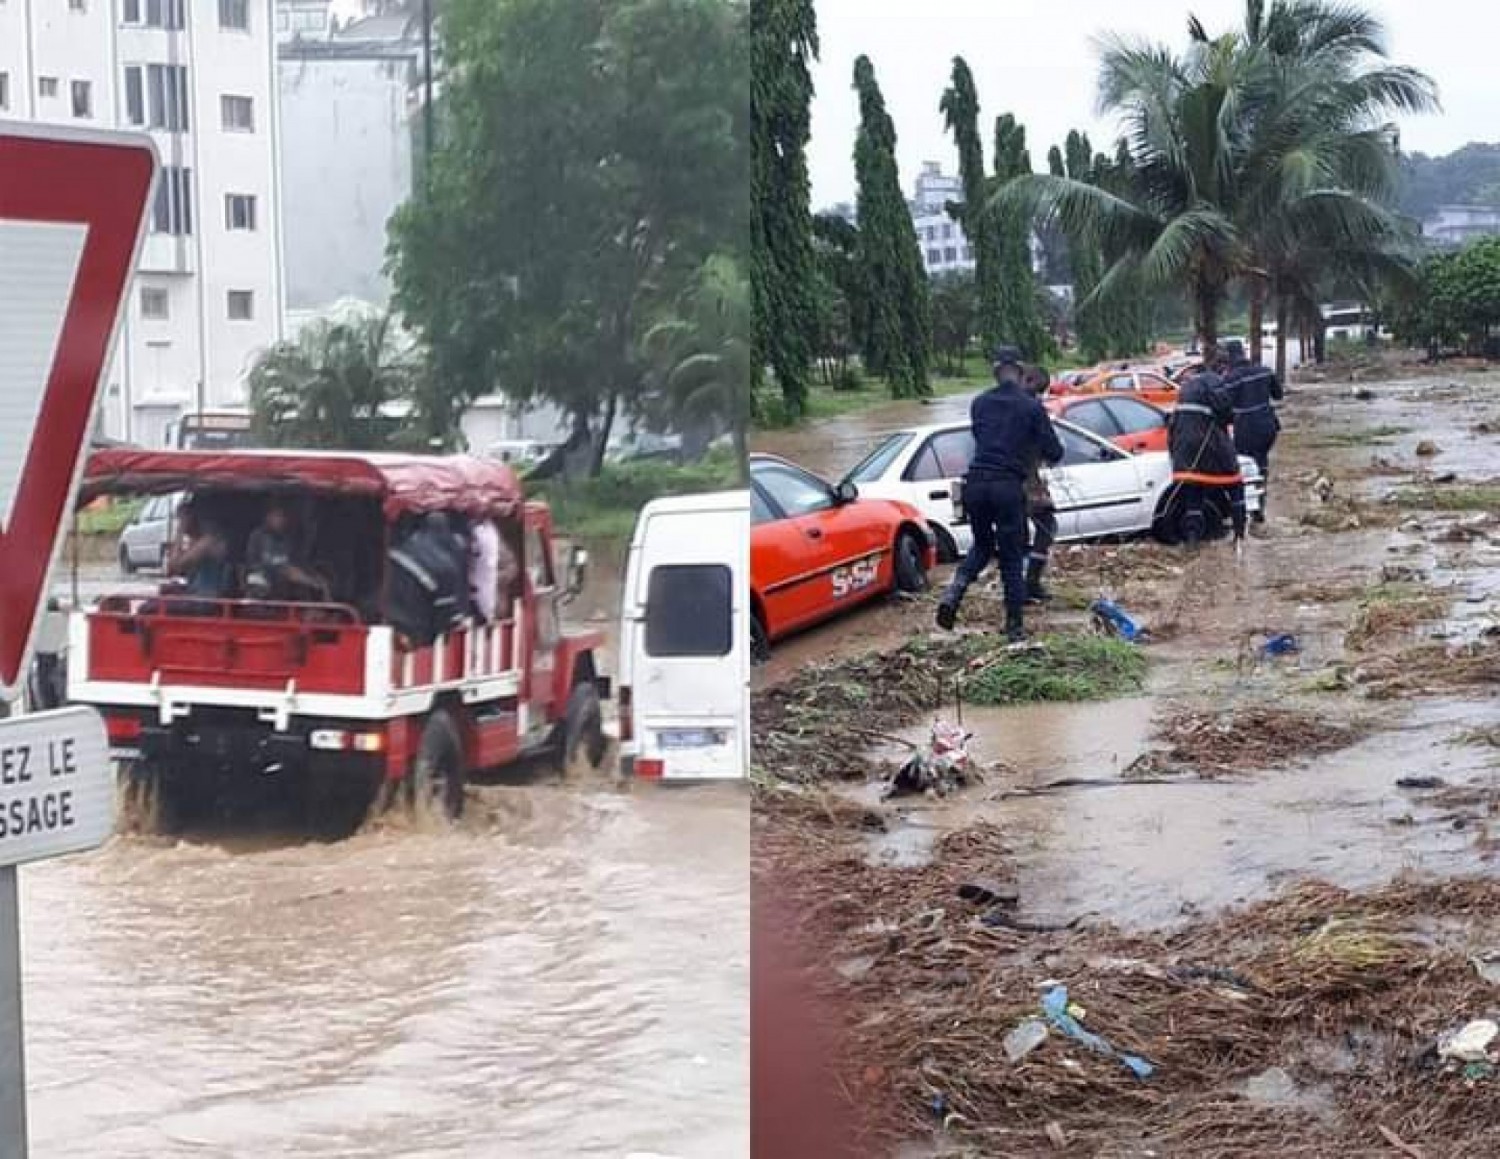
(911, 567)
(437, 778)
(583, 728)
(760, 640)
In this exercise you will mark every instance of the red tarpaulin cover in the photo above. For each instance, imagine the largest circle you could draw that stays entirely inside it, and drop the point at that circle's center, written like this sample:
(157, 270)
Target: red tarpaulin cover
(404, 484)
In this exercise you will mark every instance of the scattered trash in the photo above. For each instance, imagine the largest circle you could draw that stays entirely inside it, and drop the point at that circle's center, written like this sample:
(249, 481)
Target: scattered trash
(1112, 620)
(939, 1106)
(1025, 1038)
(942, 769)
(1477, 1071)
(1471, 1042)
(988, 893)
(1427, 448)
(1055, 1006)
(1446, 477)
(1282, 644)
(1402, 573)
(1364, 394)
(1057, 1136)
(1486, 964)
(1212, 974)
(1322, 488)
(1420, 783)
(1271, 1088)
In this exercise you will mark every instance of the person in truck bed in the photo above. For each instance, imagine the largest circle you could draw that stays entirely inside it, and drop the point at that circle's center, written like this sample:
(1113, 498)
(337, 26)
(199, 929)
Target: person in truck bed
(272, 570)
(201, 554)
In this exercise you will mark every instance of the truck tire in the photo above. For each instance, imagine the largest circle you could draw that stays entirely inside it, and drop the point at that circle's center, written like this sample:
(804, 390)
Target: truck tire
(152, 804)
(760, 640)
(910, 564)
(583, 728)
(437, 776)
(127, 565)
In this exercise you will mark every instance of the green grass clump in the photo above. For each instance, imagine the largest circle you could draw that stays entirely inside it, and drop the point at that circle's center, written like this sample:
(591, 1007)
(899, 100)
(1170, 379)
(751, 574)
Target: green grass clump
(1363, 437)
(1069, 668)
(1473, 497)
(110, 518)
(604, 510)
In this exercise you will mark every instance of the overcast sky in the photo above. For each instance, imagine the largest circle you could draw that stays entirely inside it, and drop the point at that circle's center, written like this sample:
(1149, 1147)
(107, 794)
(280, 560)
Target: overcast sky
(1036, 59)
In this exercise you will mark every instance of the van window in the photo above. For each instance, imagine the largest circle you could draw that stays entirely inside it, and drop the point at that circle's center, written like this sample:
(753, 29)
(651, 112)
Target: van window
(689, 610)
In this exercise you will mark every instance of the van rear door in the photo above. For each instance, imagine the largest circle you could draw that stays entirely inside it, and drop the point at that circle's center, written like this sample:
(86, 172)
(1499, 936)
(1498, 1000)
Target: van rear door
(688, 632)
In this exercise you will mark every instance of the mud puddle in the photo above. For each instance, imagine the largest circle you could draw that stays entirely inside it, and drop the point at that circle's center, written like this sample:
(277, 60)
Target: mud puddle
(1084, 840)
(566, 973)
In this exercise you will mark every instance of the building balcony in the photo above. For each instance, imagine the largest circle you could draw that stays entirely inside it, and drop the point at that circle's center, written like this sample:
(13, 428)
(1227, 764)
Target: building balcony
(165, 253)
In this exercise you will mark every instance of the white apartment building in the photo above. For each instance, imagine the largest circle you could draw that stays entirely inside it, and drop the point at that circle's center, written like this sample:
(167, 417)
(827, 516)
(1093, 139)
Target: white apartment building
(200, 77)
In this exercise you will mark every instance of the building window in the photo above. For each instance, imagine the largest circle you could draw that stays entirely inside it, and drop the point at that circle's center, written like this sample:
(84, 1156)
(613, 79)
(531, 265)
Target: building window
(46, 86)
(173, 210)
(968, 253)
(241, 305)
(950, 254)
(78, 5)
(154, 13)
(238, 114)
(156, 96)
(4, 90)
(83, 99)
(235, 15)
(947, 230)
(155, 303)
(933, 257)
(239, 211)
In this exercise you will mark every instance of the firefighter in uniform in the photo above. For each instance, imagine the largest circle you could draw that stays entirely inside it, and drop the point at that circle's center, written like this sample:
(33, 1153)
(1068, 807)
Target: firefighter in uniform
(1253, 390)
(1204, 461)
(1011, 433)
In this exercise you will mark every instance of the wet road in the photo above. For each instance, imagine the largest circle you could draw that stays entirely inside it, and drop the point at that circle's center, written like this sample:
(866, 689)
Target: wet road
(567, 975)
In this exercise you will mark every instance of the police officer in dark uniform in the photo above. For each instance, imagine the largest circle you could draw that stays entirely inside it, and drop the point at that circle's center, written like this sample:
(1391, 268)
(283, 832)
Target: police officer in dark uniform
(1011, 434)
(1253, 389)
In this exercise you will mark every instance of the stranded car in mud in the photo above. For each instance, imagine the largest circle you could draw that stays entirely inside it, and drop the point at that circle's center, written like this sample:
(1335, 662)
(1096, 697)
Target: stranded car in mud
(817, 550)
(1100, 490)
(386, 677)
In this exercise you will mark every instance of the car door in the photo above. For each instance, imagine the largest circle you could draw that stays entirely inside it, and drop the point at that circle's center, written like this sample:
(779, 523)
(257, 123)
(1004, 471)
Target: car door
(1142, 427)
(1101, 493)
(934, 470)
(819, 554)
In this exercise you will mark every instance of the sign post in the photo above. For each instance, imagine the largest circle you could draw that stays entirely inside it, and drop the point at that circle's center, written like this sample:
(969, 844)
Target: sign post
(72, 219)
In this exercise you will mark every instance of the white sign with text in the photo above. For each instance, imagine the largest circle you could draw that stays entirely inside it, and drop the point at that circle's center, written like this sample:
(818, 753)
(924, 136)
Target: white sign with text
(57, 787)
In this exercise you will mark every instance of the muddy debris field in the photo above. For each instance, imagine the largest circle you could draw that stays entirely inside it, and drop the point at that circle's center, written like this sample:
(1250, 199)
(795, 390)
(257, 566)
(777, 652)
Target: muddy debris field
(1218, 894)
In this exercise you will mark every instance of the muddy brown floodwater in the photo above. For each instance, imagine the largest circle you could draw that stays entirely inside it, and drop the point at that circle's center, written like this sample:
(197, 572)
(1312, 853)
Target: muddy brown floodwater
(565, 974)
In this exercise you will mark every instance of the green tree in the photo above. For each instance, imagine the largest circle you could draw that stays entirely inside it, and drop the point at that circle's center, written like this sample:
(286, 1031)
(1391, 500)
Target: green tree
(955, 318)
(592, 155)
(783, 40)
(328, 387)
(960, 109)
(700, 357)
(838, 297)
(1022, 324)
(1454, 301)
(896, 325)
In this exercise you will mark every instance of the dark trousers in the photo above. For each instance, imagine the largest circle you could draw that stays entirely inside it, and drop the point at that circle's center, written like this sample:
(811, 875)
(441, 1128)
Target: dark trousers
(1043, 532)
(1195, 498)
(997, 514)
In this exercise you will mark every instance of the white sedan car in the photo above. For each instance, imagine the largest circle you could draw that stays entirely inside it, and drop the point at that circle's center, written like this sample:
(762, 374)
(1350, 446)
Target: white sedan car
(1100, 491)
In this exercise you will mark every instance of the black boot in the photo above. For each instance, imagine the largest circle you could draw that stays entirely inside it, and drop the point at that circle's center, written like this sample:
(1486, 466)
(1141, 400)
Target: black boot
(1015, 627)
(947, 610)
(1036, 592)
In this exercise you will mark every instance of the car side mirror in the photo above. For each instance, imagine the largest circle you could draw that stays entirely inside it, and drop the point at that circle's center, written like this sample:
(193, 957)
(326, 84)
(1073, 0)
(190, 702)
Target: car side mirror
(846, 492)
(1104, 454)
(578, 567)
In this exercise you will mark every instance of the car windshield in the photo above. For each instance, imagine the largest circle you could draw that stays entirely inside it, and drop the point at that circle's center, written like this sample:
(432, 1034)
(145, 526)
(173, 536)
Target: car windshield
(874, 465)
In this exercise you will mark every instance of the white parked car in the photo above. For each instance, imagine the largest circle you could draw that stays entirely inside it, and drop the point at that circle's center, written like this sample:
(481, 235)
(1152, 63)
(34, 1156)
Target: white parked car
(1100, 491)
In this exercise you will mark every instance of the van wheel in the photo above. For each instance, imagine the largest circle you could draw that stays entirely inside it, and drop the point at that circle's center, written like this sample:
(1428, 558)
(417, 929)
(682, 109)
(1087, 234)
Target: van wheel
(437, 778)
(127, 565)
(911, 568)
(760, 641)
(583, 728)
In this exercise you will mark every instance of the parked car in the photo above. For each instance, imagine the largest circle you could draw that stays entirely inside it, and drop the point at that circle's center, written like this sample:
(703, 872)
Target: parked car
(817, 550)
(1136, 382)
(684, 668)
(1100, 491)
(146, 539)
(1130, 423)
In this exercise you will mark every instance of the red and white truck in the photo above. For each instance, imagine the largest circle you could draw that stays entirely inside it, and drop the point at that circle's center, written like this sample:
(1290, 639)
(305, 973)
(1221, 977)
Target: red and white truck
(328, 695)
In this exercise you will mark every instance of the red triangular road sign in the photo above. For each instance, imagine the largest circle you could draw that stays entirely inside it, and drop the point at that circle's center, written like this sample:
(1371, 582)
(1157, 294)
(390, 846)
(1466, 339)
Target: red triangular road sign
(72, 212)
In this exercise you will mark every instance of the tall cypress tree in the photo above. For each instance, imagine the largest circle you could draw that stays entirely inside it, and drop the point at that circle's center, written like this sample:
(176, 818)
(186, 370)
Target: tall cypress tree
(897, 329)
(1084, 259)
(1022, 320)
(960, 108)
(783, 40)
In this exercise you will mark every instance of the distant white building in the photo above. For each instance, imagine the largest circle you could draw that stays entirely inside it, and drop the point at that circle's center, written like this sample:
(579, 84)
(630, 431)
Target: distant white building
(347, 103)
(1457, 225)
(303, 20)
(199, 77)
(945, 249)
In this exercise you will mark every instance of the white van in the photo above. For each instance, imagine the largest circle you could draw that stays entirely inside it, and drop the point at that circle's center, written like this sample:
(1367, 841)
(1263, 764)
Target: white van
(684, 669)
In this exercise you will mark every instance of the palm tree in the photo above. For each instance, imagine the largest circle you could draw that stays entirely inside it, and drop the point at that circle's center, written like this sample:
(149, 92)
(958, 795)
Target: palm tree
(1244, 151)
(327, 387)
(701, 360)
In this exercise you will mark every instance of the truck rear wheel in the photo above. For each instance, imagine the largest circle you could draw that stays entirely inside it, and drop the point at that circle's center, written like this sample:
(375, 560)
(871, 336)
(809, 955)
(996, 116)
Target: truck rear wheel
(151, 803)
(437, 777)
(583, 728)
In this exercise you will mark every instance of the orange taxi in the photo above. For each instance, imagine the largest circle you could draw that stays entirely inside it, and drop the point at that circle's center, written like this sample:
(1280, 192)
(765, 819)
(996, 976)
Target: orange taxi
(817, 550)
(1150, 385)
(1129, 423)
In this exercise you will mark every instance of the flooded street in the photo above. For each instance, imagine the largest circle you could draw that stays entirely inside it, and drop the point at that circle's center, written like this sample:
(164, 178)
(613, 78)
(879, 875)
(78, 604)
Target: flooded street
(565, 976)
(565, 973)
(1230, 817)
